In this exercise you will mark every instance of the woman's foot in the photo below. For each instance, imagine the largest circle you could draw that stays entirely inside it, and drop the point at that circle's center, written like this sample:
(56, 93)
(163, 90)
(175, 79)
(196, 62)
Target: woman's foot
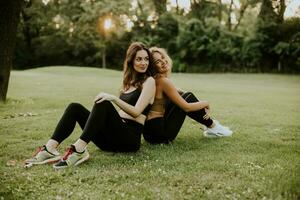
(43, 156)
(217, 131)
(72, 158)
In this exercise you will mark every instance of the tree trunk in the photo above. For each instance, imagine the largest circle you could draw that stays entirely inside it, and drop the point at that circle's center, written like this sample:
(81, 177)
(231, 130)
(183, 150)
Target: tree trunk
(229, 15)
(281, 11)
(242, 12)
(177, 7)
(9, 18)
(140, 7)
(220, 11)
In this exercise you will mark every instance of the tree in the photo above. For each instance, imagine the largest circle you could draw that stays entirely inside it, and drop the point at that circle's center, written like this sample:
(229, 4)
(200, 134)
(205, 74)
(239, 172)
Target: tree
(203, 10)
(288, 47)
(160, 6)
(267, 35)
(9, 19)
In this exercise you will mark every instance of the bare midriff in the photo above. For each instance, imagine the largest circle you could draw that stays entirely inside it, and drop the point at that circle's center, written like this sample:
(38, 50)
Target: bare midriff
(157, 109)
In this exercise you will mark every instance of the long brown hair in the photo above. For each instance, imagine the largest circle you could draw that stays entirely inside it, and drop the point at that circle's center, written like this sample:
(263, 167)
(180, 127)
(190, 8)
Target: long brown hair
(131, 77)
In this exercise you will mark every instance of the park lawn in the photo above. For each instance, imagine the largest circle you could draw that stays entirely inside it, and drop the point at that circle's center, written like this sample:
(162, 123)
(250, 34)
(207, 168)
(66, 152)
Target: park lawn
(260, 161)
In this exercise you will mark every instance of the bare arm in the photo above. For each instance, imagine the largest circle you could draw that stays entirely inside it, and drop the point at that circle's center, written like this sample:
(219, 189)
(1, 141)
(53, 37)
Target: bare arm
(180, 90)
(172, 93)
(146, 97)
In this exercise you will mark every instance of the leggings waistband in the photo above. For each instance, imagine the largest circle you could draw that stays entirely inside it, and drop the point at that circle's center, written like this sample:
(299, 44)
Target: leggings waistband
(134, 124)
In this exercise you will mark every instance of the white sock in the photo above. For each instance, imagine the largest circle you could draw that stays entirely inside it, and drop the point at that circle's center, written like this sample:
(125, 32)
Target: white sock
(52, 146)
(80, 145)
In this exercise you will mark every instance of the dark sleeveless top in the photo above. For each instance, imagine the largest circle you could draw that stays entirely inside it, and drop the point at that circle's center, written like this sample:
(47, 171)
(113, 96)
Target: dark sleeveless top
(132, 97)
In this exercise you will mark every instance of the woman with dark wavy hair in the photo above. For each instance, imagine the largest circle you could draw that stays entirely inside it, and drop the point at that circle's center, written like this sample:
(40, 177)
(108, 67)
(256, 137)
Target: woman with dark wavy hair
(107, 128)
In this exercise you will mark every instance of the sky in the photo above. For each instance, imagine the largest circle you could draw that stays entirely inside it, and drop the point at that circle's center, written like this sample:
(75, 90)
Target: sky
(292, 9)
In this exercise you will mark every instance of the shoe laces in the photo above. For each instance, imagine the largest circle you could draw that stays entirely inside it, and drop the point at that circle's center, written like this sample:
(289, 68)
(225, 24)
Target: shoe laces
(69, 152)
(39, 149)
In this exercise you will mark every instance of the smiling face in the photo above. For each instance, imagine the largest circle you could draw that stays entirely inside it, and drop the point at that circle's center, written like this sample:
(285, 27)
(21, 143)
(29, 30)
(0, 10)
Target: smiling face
(137, 65)
(141, 61)
(161, 63)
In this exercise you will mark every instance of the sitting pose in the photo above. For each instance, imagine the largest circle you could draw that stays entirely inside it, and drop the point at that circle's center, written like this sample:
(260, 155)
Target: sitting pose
(170, 106)
(104, 126)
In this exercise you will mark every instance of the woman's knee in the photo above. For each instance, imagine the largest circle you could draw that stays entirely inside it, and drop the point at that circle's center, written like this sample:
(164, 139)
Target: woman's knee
(189, 97)
(102, 104)
(187, 94)
(77, 110)
(74, 107)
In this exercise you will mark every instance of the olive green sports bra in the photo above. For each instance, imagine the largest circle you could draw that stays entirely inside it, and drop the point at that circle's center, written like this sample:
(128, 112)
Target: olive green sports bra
(158, 105)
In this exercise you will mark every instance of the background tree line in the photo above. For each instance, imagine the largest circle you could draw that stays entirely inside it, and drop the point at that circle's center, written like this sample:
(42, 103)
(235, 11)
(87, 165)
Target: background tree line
(213, 35)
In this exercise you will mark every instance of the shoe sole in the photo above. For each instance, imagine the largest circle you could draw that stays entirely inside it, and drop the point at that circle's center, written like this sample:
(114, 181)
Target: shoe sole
(207, 135)
(215, 135)
(52, 160)
(77, 163)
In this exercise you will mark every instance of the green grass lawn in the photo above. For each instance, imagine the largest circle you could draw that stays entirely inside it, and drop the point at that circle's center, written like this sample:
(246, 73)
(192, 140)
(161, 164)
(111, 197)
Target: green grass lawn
(260, 161)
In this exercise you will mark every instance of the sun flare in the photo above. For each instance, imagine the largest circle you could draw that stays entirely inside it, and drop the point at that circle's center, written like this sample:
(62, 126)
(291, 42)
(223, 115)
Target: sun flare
(108, 24)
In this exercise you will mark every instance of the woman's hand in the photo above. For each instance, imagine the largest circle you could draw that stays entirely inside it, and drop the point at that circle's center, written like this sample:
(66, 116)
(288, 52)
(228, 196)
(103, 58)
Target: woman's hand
(104, 96)
(208, 113)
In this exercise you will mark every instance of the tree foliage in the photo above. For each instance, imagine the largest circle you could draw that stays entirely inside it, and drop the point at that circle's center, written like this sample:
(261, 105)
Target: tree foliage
(206, 38)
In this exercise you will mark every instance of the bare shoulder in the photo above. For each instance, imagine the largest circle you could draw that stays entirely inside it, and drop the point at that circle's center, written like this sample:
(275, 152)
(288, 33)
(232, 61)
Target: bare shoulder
(164, 82)
(149, 81)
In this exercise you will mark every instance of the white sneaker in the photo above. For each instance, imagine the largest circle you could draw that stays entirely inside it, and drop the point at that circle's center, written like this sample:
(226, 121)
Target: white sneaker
(217, 122)
(217, 131)
(72, 158)
(43, 156)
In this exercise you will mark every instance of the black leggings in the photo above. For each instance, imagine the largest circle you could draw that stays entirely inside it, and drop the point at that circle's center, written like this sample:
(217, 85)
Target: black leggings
(103, 126)
(165, 129)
